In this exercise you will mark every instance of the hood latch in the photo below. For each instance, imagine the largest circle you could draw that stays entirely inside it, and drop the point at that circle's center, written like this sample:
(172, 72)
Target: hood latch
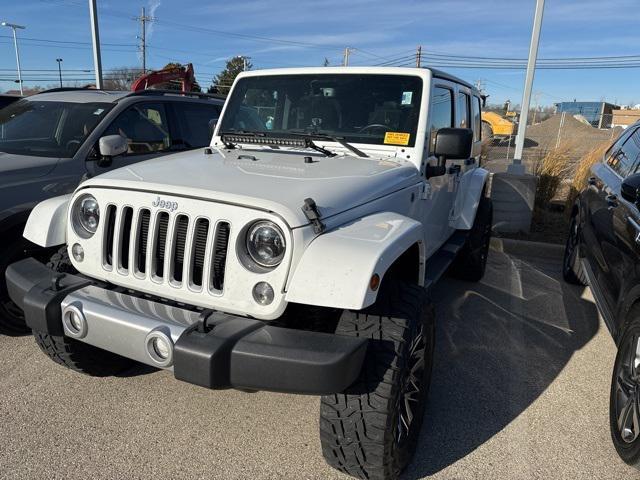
(310, 210)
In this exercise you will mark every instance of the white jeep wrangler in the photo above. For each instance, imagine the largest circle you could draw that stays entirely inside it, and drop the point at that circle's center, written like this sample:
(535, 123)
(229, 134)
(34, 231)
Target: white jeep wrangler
(295, 254)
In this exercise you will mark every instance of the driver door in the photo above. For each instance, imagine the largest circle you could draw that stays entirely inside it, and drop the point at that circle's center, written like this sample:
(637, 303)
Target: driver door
(146, 127)
(441, 190)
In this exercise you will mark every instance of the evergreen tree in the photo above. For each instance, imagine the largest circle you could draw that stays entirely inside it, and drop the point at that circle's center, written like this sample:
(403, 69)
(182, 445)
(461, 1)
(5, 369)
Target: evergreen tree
(223, 81)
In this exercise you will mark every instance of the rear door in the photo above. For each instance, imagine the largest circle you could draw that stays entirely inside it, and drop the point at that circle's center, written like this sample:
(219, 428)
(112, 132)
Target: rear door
(604, 215)
(626, 228)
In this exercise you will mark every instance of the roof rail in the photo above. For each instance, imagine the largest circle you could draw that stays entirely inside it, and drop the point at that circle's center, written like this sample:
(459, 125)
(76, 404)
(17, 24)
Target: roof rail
(152, 91)
(67, 89)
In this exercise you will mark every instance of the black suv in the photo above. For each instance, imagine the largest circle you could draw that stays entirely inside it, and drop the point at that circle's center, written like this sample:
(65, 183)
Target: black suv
(603, 251)
(50, 141)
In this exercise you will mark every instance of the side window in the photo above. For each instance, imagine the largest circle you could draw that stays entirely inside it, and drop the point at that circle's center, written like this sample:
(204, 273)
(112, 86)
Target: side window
(144, 126)
(623, 159)
(477, 119)
(464, 115)
(441, 113)
(194, 121)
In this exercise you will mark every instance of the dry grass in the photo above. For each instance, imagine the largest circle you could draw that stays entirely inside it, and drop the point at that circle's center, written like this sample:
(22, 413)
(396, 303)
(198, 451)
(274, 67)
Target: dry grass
(583, 171)
(551, 168)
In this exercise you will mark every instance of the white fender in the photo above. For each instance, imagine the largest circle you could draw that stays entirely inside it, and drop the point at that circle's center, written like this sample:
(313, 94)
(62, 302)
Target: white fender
(336, 268)
(47, 223)
(468, 198)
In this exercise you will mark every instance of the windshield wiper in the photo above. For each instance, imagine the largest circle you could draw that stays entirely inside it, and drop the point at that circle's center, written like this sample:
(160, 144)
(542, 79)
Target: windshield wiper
(325, 136)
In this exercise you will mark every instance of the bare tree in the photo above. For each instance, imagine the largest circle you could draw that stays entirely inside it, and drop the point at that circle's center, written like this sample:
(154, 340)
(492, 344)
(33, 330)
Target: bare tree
(121, 78)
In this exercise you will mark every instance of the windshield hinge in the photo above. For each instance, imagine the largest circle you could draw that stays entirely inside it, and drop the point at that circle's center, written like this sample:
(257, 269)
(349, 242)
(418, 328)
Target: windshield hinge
(310, 210)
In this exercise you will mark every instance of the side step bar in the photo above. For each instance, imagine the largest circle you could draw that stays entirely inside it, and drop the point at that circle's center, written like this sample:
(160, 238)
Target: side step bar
(440, 261)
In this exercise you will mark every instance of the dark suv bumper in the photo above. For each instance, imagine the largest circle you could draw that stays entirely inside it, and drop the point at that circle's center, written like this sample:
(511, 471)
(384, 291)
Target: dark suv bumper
(231, 352)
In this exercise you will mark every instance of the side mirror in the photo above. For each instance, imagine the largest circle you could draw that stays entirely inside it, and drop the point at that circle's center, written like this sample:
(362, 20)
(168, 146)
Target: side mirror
(212, 126)
(111, 146)
(630, 189)
(454, 143)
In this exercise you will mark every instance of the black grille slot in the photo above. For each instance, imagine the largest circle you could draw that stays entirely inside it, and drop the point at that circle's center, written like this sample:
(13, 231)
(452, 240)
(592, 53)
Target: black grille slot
(161, 243)
(180, 240)
(143, 235)
(198, 251)
(220, 245)
(125, 238)
(110, 222)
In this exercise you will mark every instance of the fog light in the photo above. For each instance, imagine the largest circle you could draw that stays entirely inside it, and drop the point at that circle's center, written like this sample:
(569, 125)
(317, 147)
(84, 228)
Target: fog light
(263, 293)
(78, 252)
(75, 323)
(160, 348)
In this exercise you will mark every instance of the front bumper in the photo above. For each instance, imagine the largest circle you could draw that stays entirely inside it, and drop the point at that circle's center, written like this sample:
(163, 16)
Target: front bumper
(231, 352)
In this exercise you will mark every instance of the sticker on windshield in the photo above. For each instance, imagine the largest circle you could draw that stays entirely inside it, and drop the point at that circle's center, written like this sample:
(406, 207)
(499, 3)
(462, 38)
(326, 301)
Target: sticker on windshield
(396, 138)
(406, 98)
(98, 111)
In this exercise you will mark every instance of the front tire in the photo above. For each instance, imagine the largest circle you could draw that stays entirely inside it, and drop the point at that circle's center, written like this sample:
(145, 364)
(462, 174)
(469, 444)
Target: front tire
(371, 430)
(70, 353)
(11, 316)
(572, 271)
(624, 398)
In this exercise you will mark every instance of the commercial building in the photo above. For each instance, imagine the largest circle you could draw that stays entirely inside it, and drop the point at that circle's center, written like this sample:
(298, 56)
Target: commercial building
(598, 114)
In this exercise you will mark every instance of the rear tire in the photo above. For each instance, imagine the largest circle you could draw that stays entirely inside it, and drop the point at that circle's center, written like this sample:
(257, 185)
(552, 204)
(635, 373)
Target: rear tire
(371, 429)
(471, 262)
(624, 397)
(70, 353)
(572, 270)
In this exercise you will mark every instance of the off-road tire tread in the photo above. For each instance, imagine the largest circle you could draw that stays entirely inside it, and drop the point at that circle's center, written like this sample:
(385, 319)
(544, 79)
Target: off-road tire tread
(81, 357)
(356, 428)
(469, 265)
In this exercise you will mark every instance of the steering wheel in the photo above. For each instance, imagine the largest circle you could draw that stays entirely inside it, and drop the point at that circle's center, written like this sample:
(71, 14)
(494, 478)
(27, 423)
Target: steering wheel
(373, 126)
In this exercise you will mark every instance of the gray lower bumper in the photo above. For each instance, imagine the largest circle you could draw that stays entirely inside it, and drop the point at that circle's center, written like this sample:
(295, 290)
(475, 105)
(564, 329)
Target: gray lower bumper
(231, 352)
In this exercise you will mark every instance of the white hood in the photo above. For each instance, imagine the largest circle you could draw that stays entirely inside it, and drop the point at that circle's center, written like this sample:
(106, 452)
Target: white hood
(273, 180)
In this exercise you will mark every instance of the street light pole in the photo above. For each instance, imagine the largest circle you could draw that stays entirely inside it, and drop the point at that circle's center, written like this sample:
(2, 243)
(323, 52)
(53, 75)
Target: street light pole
(516, 166)
(13, 27)
(95, 36)
(59, 60)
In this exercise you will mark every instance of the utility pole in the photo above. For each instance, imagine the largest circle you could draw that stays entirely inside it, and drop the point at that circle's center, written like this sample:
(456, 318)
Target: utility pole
(516, 166)
(13, 27)
(95, 37)
(244, 63)
(418, 56)
(143, 38)
(345, 61)
(59, 60)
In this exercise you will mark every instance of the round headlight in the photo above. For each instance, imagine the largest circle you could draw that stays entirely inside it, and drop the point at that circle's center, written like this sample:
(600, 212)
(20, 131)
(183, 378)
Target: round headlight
(265, 244)
(86, 215)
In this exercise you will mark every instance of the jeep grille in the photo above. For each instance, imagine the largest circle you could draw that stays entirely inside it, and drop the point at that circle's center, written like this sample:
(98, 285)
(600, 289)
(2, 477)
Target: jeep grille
(178, 246)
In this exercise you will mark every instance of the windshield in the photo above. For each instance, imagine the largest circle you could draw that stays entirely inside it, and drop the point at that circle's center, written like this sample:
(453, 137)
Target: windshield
(48, 129)
(361, 108)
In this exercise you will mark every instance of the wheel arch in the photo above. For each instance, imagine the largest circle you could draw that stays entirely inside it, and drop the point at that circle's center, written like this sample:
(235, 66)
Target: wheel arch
(337, 267)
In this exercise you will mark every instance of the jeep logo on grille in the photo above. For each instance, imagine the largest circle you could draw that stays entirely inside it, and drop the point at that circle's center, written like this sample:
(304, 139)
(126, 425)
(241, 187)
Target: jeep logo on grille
(171, 206)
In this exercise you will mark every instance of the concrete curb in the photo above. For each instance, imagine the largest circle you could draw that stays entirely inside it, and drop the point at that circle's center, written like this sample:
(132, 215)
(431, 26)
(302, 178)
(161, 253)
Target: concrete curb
(524, 247)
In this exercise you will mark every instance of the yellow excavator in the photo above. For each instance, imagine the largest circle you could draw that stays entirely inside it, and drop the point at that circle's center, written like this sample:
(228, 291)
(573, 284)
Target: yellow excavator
(496, 127)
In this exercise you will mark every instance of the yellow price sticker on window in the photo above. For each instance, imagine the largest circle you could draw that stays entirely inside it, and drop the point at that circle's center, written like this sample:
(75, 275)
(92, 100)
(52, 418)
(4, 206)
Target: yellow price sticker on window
(396, 138)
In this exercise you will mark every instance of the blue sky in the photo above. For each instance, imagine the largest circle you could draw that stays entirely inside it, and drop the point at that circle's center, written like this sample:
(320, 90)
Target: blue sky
(283, 33)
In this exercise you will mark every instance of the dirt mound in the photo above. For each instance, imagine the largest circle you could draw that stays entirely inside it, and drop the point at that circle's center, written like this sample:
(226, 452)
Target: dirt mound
(581, 136)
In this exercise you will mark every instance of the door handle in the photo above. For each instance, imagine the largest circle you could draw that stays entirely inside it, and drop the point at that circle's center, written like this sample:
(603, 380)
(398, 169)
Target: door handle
(592, 180)
(636, 227)
(612, 200)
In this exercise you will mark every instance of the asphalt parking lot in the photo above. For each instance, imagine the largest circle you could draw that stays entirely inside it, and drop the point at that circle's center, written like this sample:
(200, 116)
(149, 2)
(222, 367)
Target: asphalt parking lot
(520, 390)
